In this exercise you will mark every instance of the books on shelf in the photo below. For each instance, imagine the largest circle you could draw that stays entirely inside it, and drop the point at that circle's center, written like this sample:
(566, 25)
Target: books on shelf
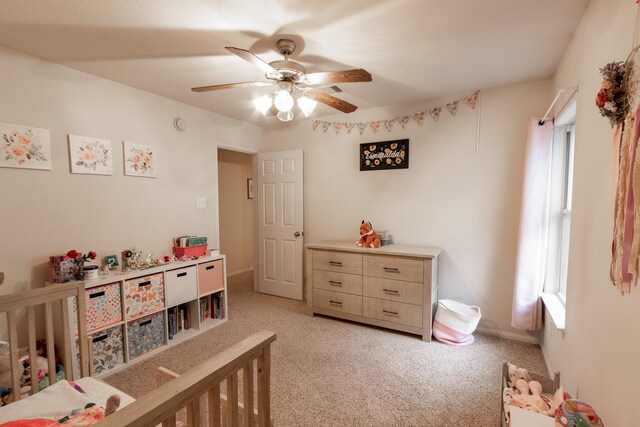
(179, 319)
(212, 307)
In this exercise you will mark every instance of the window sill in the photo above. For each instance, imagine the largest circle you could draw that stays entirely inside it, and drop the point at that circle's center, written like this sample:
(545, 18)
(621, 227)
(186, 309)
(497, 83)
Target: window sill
(555, 307)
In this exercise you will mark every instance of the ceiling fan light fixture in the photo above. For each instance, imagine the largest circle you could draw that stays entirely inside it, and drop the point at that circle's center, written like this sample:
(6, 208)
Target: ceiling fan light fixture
(263, 104)
(285, 116)
(307, 105)
(283, 101)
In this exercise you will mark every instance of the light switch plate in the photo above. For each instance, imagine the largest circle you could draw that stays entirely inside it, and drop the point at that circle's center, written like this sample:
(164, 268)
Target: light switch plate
(201, 202)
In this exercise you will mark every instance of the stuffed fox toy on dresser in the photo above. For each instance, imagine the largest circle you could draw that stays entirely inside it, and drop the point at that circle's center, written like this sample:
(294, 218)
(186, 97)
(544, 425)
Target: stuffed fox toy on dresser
(368, 237)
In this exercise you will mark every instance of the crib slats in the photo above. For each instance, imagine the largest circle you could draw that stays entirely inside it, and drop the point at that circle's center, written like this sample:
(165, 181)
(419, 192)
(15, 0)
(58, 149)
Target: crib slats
(82, 333)
(264, 392)
(247, 376)
(51, 353)
(214, 405)
(66, 343)
(170, 422)
(31, 301)
(232, 400)
(193, 413)
(13, 353)
(31, 320)
(206, 378)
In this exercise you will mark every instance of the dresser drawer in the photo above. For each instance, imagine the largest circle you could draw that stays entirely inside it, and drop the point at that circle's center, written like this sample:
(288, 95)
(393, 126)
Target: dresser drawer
(338, 282)
(391, 311)
(396, 268)
(108, 349)
(337, 301)
(145, 334)
(392, 290)
(341, 262)
(103, 306)
(143, 295)
(210, 277)
(180, 285)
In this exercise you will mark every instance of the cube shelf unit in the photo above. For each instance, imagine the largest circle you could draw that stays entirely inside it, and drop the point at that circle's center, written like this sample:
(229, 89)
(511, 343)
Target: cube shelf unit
(135, 314)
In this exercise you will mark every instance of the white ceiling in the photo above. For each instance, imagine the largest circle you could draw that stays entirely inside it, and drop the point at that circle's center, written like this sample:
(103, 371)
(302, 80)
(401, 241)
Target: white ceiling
(414, 49)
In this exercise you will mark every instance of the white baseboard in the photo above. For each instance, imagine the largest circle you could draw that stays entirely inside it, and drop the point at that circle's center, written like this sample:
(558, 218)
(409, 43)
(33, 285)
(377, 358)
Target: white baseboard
(547, 363)
(509, 335)
(235, 273)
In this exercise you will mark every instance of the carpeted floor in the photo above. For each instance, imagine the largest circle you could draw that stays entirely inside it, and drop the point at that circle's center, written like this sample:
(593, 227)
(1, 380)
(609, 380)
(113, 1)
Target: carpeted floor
(328, 372)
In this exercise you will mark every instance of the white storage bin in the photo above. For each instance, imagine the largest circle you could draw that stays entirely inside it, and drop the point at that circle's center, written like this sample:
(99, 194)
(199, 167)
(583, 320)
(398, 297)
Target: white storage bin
(455, 322)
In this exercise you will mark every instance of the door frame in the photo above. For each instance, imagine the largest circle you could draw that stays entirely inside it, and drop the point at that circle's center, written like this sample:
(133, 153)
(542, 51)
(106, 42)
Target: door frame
(216, 196)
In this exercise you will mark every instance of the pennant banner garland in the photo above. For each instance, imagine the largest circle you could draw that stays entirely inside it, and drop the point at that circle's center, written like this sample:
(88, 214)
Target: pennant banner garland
(452, 107)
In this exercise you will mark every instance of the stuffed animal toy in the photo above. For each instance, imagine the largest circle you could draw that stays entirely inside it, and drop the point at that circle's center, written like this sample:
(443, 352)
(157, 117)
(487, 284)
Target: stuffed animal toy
(368, 237)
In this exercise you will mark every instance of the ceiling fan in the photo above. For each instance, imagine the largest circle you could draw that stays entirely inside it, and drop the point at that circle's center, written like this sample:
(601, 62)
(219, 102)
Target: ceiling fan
(289, 76)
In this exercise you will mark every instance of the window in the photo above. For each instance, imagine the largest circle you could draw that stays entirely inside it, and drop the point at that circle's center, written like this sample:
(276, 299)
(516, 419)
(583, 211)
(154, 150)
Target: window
(560, 204)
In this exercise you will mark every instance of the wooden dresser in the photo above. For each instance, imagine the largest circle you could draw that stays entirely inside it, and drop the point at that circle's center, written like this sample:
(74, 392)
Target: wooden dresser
(394, 286)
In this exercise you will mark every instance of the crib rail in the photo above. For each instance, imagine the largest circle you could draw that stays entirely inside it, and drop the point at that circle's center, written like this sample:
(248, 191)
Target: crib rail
(198, 390)
(14, 306)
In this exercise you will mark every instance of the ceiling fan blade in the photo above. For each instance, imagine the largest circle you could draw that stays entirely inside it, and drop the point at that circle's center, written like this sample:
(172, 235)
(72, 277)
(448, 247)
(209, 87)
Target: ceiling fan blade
(330, 100)
(346, 76)
(230, 86)
(253, 59)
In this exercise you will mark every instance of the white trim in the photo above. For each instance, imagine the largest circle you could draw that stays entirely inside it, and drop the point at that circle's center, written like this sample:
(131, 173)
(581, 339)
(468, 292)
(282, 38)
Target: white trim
(547, 363)
(241, 149)
(555, 307)
(514, 336)
(235, 273)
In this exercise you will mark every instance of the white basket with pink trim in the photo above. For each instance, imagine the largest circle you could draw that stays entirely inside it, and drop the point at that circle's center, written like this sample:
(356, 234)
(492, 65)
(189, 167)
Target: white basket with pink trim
(455, 322)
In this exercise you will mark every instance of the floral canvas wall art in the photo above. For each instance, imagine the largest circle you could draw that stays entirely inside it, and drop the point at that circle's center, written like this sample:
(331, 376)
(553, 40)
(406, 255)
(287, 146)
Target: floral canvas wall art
(139, 160)
(90, 155)
(24, 147)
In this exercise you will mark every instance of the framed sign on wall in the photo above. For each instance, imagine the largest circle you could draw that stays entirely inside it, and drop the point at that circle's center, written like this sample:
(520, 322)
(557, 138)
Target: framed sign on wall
(384, 155)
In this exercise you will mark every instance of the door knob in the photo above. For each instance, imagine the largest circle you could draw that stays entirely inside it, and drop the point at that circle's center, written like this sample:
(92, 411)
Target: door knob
(296, 234)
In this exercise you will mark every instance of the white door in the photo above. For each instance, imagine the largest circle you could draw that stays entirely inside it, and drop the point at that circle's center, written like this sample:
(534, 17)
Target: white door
(280, 224)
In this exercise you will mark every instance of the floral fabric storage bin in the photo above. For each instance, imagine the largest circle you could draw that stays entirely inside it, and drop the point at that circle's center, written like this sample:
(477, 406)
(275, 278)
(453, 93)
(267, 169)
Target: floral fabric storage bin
(145, 334)
(108, 349)
(103, 306)
(143, 295)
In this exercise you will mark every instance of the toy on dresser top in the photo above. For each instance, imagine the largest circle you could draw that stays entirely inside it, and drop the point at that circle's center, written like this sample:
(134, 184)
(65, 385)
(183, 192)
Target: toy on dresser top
(368, 237)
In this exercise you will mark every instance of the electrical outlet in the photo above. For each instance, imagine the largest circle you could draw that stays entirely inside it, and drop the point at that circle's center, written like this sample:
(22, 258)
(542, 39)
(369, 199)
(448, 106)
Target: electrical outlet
(201, 202)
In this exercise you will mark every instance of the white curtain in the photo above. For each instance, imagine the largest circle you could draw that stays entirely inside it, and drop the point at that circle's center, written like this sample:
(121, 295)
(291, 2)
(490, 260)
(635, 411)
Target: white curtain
(534, 228)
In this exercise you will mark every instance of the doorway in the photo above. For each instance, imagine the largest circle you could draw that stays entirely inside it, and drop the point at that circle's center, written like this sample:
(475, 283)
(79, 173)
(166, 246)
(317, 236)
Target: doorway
(236, 200)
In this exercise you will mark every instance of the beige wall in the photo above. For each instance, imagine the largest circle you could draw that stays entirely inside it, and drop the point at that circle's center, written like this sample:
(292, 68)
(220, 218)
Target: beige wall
(43, 213)
(236, 210)
(598, 356)
(453, 197)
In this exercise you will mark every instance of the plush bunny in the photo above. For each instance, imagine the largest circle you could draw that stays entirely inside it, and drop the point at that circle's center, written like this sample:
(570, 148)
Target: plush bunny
(369, 238)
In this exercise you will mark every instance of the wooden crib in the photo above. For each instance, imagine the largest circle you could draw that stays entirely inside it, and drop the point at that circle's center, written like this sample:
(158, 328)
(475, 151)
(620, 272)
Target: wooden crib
(252, 357)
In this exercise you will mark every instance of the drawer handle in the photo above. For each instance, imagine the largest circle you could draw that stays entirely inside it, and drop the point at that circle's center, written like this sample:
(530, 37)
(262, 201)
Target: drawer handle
(182, 274)
(147, 283)
(335, 263)
(391, 269)
(211, 267)
(390, 313)
(391, 291)
(338, 303)
(145, 323)
(96, 295)
(102, 338)
(334, 283)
